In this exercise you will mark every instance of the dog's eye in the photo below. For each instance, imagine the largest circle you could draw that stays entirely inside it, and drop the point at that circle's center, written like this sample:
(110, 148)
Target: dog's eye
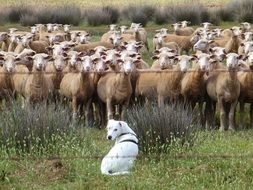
(115, 130)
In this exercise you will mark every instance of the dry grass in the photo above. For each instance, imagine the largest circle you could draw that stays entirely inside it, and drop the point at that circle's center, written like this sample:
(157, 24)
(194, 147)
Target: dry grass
(116, 3)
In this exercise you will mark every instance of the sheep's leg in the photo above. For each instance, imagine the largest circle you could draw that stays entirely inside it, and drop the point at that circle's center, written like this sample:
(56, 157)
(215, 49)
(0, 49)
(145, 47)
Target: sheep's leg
(74, 107)
(160, 101)
(109, 109)
(202, 120)
(251, 116)
(232, 116)
(208, 114)
(88, 114)
(222, 115)
(241, 114)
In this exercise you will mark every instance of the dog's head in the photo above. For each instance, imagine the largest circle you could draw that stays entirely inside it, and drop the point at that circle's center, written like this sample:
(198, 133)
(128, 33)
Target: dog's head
(114, 129)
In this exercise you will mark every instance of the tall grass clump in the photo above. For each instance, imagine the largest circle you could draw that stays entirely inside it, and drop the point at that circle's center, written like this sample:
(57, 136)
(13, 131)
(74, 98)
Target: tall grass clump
(139, 14)
(28, 19)
(15, 13)
(101, 16)
(159, 129)
(190, 12)
(67, 14)
(243, 10)
(35, 129)
(161, 16)
(45, 15)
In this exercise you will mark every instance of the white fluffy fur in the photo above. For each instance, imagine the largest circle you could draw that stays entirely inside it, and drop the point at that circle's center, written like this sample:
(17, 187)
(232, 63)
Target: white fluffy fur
(121, 157)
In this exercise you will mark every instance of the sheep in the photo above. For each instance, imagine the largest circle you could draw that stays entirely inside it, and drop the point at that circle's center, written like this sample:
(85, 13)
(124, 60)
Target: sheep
(14, 38)
(184, 42)
(185, 23)
(163, 61)
(193, 87)
(245, 48)
(123, 29)
(248, 36)
(162, 31)
(79, 88)
(186, 31)
(163, 85)
(4, 38)
(90, 46)
(6, 78)
(218, 52)
(140, 34)
(55, 69)
(158, 41)
(223, 88)
(246, 93)
(66, 28)
(246, 27)
(115, 88)
(38, 86)
(206, 25)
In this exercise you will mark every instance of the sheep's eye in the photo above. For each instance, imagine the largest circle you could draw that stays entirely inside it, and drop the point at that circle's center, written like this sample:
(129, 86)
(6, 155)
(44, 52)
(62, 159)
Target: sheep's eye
(115, 130)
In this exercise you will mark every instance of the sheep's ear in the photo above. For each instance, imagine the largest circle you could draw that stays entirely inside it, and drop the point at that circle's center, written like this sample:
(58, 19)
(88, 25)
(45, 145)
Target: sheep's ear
(17, 59)
(211, 50)
(120, 61)
(29, 58)
(240, 56)
(92, 51)
(245, 58)
(81, 54)
(96, 59)
(210, 41)
(64, 54)
(242, 44)
(212, 56)
(155, 57)
(194, 58)
(120, 124)
(243, 36)
(122, 47)
(1, 58)
(103, 53)
(156, 52)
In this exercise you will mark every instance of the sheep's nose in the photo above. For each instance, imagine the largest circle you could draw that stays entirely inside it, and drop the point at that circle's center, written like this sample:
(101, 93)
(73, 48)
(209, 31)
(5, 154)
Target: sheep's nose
(100, 70)
(109, 137)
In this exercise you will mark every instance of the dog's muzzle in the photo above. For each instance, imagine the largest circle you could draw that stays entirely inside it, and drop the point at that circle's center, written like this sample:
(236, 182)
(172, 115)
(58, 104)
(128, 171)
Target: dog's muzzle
(109, 137)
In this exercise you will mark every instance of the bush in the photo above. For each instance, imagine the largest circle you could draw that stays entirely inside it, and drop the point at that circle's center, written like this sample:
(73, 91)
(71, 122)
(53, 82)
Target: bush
(139, 14)
(45, 15)
(190, 12)
(159, 129)
(34, 129)
(161, 16)
(214, 17)
(225, 14)
(15, 13)
(28, 20)
(99, 16)
(68, 14)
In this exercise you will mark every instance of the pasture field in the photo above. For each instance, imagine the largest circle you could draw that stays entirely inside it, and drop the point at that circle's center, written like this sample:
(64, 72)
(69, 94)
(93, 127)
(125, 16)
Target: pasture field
(116, 3)
(217, 161)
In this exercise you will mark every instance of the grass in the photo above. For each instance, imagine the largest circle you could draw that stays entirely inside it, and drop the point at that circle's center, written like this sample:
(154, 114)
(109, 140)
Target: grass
(217, 161)
(117, 3)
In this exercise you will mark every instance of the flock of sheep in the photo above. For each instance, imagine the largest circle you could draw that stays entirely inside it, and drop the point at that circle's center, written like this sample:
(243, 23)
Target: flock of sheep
(98, 78)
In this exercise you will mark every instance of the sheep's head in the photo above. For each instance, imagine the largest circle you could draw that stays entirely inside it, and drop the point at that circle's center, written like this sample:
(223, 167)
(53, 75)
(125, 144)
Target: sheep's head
(218, 52)
(112, 57)
(40, 61)
(133, 46)
(250, 59)
(50, 27)
(34, 29)
(115, 39)
(128, 65)
(3, 36)
(246, 26)
(184, 62)
(26, 39)
(185, 23)
(84, 38)
(113, 27)
(248, 47)
(164, 60)
(123, 29)
(176, 26)
(60, 61)
(15, 38)
(248, 36)
(202, 45)
(75, 58)
(195, 38)
(206, 25)
(237, 31)
(204, 61)
(10, 59)
(12, 30)
(86, 63)
(66, 27)
(232, 60)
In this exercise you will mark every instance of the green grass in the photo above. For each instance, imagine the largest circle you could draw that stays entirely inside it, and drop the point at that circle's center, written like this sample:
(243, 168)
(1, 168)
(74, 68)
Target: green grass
(217, 161)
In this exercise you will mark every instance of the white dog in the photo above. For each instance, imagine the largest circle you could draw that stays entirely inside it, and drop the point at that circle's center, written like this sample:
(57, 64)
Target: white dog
(120, 158)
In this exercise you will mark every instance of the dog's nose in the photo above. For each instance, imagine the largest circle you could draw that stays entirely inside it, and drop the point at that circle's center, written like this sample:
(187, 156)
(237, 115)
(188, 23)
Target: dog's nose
(109, 137)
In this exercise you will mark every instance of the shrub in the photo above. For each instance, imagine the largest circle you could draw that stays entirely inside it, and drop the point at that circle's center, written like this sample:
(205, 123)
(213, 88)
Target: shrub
(28, 19)
(15, 13)
(45, 15)
(190, 12)
(214, 17)
(34, 129)
(99, 16)
(158, 129)
(139, 14)
(161, 16)
(68, 14)
(226, 14)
